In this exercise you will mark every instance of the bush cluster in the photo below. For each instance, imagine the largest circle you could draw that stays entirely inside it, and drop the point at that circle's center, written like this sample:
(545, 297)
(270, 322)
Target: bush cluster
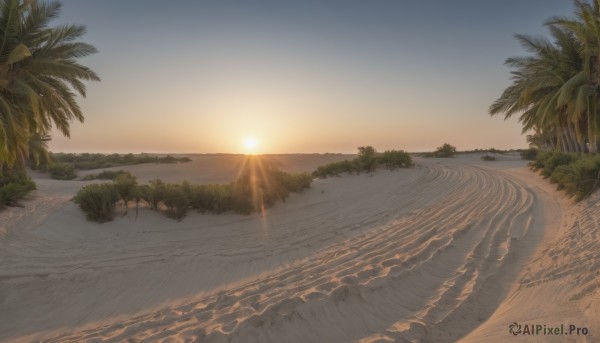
(529, 154)
(548, 161)
(368, 160)
(445, 150)
(62, 171)
(97, 201)
(487, 157)
(106, 175)
(577, 175)
(254, 190)
(88, 161)
(12, 189)
(488, 151)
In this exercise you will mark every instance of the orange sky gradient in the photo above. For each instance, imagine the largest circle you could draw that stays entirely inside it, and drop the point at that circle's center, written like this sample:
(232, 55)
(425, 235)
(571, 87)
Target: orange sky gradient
(304, 77)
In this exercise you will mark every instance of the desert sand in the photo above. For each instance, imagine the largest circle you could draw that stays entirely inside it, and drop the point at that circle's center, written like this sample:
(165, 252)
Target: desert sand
(451, 249)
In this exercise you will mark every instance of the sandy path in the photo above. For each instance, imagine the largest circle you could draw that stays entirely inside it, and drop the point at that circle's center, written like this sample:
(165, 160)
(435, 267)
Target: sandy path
(426, 253)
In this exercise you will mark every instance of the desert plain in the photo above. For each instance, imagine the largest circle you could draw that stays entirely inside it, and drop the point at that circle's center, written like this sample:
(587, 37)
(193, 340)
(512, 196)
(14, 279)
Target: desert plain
(452, 249)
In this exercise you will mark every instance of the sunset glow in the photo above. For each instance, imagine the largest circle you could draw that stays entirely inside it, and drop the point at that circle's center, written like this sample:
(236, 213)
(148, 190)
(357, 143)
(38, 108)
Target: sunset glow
(310, 76)
(250, 144)
(299, 171)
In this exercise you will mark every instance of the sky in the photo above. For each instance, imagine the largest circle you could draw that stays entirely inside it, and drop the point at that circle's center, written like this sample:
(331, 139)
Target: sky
(298, 76)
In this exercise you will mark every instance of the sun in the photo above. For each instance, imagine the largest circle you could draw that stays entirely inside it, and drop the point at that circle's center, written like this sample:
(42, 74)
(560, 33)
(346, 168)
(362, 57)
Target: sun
(250, 143)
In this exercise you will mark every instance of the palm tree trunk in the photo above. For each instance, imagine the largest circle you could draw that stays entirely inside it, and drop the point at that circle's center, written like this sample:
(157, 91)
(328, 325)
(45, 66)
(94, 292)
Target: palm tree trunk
(561, 140)
(572, 138)
(573, 135)
(551, 144)
(593, 127)
(593, 145)
(582, 126)
(568, 141)
(572, 141)
(593, 102)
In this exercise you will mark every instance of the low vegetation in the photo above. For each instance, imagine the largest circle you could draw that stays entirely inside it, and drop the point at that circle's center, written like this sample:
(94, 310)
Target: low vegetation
(445, 150)
(62, 171)
(106, 175)
(88, 161)
(548, 161)
(14, 189)
(487, 157)
(577, 174)
(64, 166)
(529, 154)
(368, 160)
(97, 201)
(258, 187)
(487, 151)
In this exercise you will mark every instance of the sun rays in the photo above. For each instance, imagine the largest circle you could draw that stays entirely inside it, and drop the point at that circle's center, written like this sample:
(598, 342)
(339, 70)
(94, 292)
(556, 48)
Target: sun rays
(255, 169)
(250, 145)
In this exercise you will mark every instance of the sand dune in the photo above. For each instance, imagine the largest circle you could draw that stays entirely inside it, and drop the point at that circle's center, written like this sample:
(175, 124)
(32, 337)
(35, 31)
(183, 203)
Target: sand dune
(448, 249)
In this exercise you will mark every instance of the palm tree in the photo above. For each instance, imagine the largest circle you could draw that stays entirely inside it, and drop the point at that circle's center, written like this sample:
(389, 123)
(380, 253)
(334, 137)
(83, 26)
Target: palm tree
(542, 140)
(545, 90)
(39, 76)
(38, 150)
(586, 28)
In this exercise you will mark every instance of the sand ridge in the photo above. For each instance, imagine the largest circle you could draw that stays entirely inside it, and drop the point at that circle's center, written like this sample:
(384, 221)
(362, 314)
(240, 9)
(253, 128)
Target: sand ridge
(426, 254)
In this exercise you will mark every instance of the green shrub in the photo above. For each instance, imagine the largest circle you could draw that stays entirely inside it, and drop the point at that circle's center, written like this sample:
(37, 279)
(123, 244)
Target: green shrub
(97, 201)
(336, 168)
(125, 185)
(112, 174)
(529, 154)
(221, 198)
(106, 175)
(577, 178)
(139, 194)
(14, 189)
(556, 159)
(88, 161)
(175, 200)
(244, 198)
(92, 165)
(211, 198)
(576, 175)
(368, 159)
(487, 157)
(61, 171)
(393, 159)
(540, 159)
(155, 193)
(298, 182)
(258, 186)
(445, 150)
(563, 175)
(277, 185)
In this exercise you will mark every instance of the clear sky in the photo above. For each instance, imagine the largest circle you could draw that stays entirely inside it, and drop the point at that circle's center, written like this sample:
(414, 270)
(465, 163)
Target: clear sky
(298, 76)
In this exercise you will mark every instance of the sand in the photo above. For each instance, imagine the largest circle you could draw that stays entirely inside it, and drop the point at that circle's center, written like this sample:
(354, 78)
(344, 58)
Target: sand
(450, 249)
